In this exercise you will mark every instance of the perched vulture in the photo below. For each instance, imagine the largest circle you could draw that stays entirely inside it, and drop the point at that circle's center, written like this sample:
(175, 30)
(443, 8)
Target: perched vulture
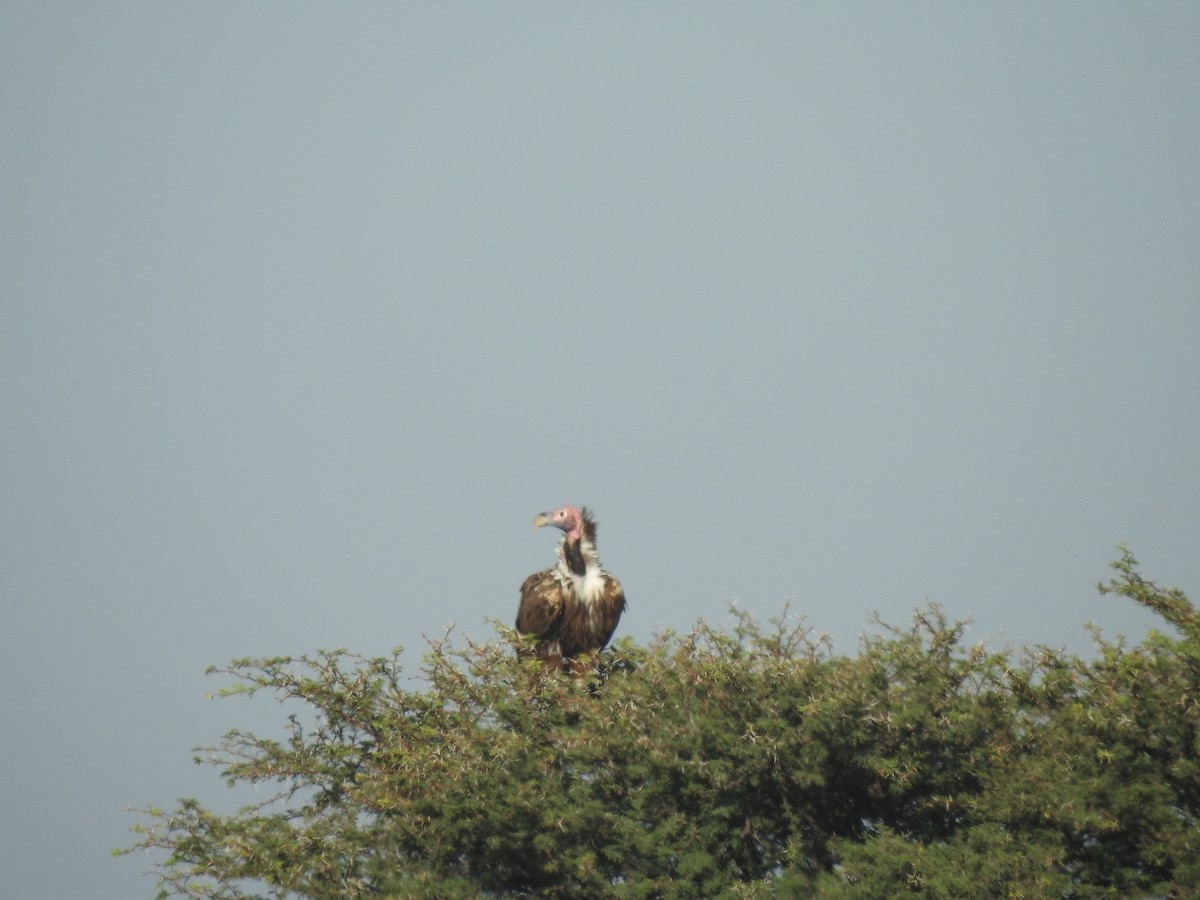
(573, 608)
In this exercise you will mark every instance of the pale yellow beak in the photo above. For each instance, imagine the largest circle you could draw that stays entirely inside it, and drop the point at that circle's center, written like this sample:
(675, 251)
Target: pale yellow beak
(540, 520)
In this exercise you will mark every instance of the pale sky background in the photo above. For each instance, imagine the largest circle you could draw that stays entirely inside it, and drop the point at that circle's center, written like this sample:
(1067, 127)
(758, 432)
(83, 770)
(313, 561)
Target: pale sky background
(308, 309)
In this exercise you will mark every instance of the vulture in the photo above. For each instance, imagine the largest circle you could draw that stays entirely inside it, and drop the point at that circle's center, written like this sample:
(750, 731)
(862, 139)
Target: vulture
(572, 609)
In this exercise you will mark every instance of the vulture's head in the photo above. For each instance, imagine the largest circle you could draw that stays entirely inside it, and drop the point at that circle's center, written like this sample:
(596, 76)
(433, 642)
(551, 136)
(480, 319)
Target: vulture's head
(568, 518)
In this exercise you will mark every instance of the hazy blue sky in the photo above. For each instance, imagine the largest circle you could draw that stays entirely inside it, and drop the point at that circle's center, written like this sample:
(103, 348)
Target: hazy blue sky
(308, 309)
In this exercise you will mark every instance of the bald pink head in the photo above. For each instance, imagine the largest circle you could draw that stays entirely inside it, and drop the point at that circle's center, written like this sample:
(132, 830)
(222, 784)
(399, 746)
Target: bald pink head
(567, 518)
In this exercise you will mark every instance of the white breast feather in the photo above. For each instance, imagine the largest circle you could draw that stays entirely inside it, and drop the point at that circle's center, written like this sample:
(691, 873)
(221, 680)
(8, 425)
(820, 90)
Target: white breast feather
(589, 586)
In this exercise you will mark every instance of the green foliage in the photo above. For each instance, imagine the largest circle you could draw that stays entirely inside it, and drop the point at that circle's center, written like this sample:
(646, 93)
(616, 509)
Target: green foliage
(748, 762)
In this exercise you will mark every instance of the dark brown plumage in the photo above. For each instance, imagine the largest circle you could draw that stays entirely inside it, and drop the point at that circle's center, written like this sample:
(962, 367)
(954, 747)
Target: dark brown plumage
(572, 609)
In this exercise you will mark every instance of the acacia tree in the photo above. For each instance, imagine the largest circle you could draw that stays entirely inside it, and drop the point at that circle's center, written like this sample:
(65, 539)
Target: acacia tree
(745, 762)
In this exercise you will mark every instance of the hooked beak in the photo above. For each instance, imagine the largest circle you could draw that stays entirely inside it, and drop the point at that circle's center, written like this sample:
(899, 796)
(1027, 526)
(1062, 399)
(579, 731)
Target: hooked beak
(541, 519)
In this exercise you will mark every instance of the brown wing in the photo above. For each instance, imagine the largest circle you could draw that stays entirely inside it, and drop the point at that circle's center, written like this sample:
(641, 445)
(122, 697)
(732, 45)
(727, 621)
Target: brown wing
(541, 604)
(582, 632)
(540, 613)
